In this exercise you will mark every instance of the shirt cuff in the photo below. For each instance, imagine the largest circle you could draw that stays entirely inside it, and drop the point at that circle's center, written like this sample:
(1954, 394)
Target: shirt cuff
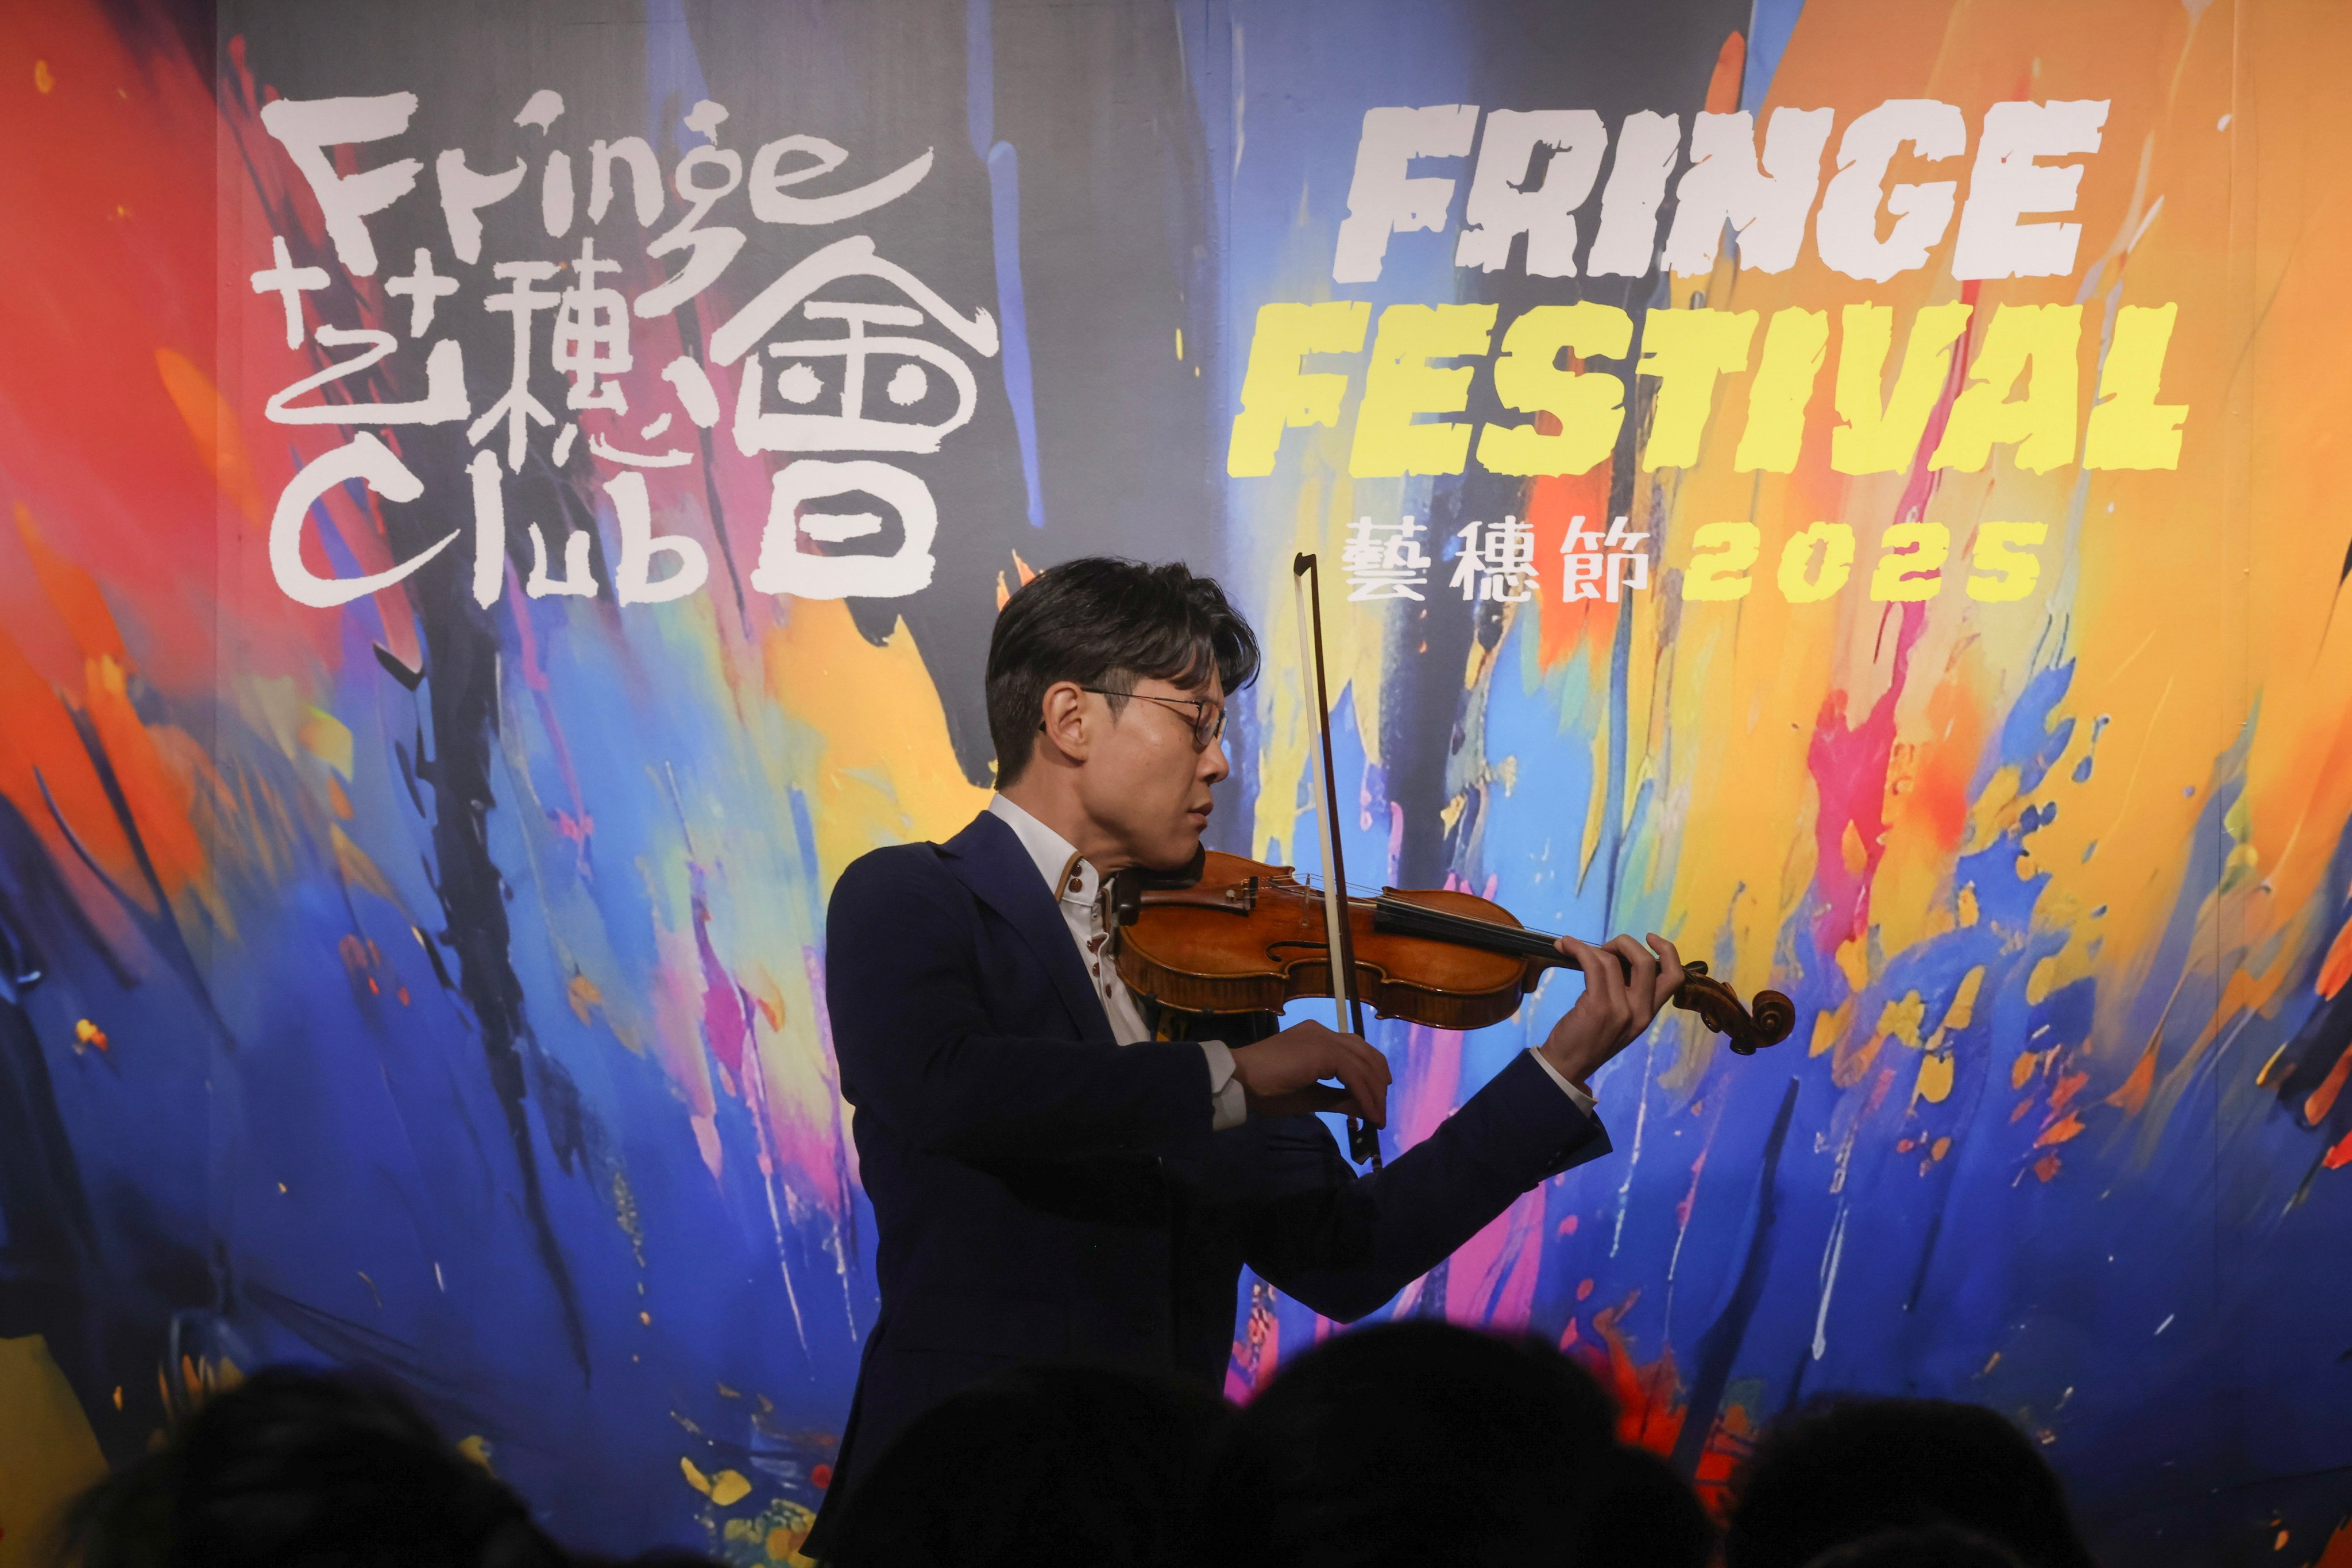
(1583, 1100)
(1226, 1097)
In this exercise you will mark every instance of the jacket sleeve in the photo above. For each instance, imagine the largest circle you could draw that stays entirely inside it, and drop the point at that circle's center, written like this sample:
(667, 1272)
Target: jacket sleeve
(917, 1049)
(1377, 1234)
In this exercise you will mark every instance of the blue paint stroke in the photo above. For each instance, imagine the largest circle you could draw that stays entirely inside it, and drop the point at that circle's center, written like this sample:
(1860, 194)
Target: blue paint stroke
(1004, 211)
(1005, 223)
(674, 80)
(1769, 25)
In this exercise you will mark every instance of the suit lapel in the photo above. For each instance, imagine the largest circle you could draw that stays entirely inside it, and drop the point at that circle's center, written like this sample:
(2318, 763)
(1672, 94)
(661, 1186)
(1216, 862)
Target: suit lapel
(987, 857)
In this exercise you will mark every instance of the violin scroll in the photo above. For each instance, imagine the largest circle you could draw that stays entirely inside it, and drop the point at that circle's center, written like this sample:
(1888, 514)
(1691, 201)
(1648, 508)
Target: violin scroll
(1718, 1007)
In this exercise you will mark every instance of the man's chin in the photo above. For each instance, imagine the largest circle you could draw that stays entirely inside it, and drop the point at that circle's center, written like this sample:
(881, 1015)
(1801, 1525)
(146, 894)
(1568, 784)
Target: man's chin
(1179, 851)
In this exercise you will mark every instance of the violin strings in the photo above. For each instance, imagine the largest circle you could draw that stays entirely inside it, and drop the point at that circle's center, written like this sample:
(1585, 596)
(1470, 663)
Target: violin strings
(1314, 881)
(1467, 924)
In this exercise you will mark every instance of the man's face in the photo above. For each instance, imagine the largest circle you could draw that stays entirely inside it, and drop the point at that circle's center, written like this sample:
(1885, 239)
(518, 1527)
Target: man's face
(1146, 784)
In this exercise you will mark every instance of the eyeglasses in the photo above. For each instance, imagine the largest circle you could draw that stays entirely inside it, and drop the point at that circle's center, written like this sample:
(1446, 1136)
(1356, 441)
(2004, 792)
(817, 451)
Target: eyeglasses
(1208, 715)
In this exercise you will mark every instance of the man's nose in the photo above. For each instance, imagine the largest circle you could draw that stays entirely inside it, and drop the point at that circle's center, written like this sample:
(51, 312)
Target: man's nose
(1215, 764)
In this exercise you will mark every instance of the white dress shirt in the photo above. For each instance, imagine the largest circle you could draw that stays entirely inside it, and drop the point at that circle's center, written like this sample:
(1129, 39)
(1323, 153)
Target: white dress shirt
(1075, 884)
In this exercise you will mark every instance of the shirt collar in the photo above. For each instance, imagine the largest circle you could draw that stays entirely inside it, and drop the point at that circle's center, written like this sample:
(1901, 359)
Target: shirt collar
(1069, 874)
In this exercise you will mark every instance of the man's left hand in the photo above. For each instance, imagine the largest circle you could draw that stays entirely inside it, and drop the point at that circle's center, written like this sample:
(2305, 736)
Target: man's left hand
(1614, 1009)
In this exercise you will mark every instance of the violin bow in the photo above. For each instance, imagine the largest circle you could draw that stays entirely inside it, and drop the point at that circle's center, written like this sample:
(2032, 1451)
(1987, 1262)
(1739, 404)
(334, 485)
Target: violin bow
(1306, 584)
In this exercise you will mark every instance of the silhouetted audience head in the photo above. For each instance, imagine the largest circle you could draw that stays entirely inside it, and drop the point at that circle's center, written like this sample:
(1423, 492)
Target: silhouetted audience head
(1942, 1547)
(1412, 1441)
(1644, 1516)
(1848, 1470)
(300, 1470)
(1045, 1467)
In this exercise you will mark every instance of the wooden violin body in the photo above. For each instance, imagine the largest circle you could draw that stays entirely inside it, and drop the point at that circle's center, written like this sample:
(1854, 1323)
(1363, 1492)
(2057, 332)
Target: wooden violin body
(1249, 938)
(1233, 935)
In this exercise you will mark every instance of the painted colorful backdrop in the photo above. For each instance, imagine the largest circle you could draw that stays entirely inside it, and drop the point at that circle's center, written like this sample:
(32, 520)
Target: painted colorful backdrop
(504, 503)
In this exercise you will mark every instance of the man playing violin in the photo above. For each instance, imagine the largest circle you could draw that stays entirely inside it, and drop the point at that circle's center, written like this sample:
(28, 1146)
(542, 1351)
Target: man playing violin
(1056, 1170)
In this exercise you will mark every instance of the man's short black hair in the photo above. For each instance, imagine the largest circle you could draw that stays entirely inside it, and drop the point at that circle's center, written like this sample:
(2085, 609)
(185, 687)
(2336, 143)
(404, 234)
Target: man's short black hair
(1843, 1469)
(295, 1466)
(1102, 621)
(1048, 1465)
(1419, 1437)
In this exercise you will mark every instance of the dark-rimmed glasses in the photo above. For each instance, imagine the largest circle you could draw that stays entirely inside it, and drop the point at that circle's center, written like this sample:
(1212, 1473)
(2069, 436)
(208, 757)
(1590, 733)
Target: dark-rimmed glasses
(1208, 714)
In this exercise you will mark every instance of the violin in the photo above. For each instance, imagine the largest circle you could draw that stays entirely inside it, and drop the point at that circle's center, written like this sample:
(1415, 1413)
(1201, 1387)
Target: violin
(1236, 935)
(1231, 935)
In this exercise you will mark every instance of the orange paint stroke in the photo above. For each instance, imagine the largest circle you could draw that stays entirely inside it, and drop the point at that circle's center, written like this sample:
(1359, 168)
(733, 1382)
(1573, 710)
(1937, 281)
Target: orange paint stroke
(1553, 503)
(2069, 1085)
(1730, 67)
(2062, 1131)
(160, 788)
(40, 746)
(73, 592)
(2322, 1098)
(2131, 1096)
(214, 428)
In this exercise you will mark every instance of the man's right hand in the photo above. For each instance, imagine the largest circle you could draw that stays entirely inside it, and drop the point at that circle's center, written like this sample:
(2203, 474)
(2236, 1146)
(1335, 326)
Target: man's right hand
(1281, 1075)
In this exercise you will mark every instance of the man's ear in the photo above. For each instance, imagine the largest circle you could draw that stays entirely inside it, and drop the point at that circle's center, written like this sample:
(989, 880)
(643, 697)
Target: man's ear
(1064, 722)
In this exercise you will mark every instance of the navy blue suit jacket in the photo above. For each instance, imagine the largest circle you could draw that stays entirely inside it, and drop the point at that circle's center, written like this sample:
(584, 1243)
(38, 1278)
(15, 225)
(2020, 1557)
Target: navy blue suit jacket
(1044, 1192)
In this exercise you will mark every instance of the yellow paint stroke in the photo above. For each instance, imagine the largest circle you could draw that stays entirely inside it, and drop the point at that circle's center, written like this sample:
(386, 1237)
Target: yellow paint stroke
(1935, 1076)
(327, 738)
(47, 1454)
(1963, 1009)
(1595, 803)
(725, 1489)
(1902, 1018)
(1853, 961)
(357, 869)
(1830, 1027)
(624, 1213)
(884, 771)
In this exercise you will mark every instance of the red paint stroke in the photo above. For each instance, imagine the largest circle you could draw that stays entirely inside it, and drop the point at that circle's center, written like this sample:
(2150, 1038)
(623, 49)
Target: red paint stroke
(1690, 1198)
(1730, 1443)
(1650, 1409)
(1849, 761)
(726, 1025)
(1553, 503)
(1878, 1091)
(90, 439)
